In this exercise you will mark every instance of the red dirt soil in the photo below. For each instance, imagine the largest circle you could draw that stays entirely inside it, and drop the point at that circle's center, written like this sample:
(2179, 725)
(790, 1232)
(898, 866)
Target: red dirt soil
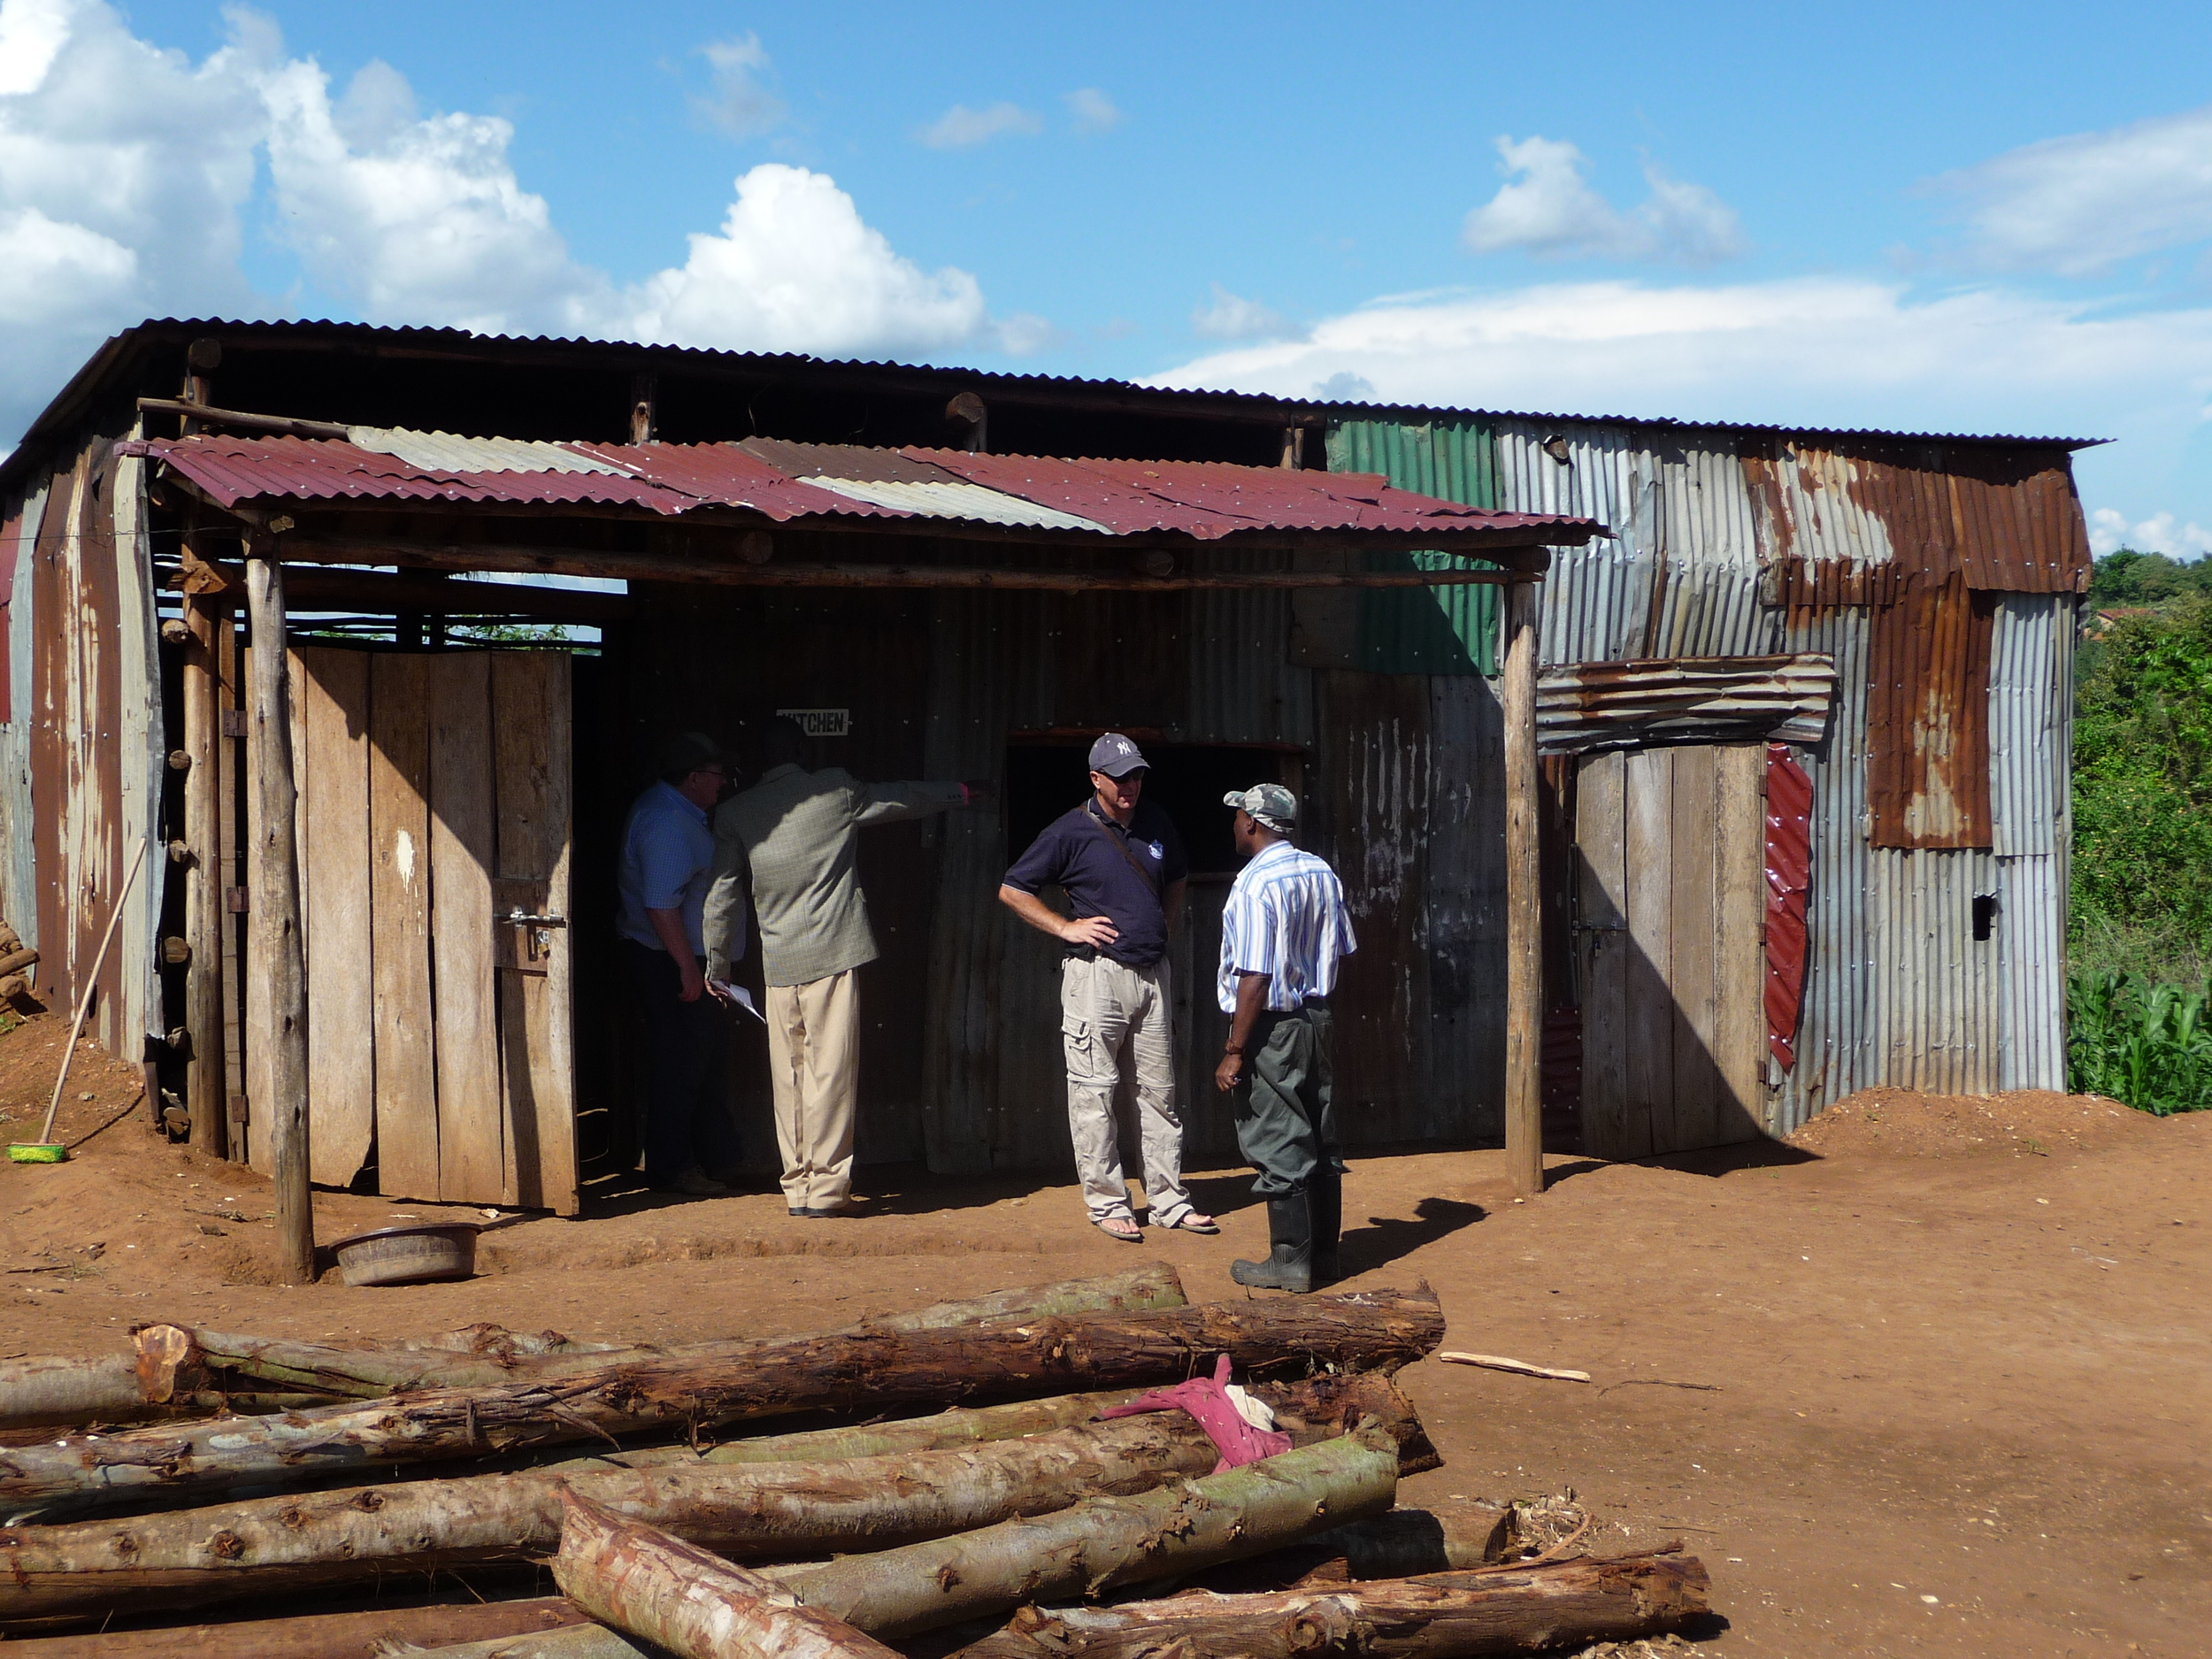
(1933, 1380)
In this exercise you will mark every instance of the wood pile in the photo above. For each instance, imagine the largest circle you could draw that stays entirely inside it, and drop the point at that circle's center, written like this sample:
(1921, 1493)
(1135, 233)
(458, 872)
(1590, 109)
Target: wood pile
(1007, 1515)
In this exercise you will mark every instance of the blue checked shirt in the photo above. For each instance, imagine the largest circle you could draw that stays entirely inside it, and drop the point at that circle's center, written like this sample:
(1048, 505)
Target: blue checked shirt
(1286, 919)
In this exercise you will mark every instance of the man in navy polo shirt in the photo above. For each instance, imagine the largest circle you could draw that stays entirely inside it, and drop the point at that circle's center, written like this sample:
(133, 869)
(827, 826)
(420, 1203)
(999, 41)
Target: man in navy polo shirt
(1122, 867)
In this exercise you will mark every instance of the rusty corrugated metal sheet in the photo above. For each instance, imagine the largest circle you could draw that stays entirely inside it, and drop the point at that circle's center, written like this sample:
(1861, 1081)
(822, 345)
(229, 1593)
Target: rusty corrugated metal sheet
(75, 748)
(1928, 716)
(1683, 700)
(2008, 518)
(1789, 855)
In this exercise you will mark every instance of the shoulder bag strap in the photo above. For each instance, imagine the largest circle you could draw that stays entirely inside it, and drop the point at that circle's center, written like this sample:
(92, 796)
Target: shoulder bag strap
(1121, 845)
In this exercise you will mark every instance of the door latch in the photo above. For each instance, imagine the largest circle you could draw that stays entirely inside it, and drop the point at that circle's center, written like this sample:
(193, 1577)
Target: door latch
(538, 946)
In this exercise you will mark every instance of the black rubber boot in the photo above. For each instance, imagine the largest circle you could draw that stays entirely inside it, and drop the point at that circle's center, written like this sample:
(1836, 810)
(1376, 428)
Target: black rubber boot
(1289, 1264)
(1325, 1207)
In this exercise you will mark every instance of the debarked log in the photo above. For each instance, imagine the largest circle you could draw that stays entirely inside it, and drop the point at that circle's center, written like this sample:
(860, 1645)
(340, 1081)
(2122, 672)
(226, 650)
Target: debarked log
(488, 1361)
(662, 1590)
(315, 1635)
(49, 1391)
(811, 1506)
(1308, 1409)
(277, 1546)
(877, 1368)
(1096, 1545)
(1505, 1610)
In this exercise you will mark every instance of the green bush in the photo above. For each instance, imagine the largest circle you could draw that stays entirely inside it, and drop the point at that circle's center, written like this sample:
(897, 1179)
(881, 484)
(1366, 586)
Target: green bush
(2146, 1045)
(2143, 786)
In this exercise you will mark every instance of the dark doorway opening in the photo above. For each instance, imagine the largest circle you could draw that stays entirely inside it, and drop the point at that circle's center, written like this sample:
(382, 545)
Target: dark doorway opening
(1046, 775)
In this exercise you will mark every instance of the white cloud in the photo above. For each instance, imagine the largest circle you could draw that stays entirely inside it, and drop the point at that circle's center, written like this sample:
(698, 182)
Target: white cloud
(2078, 205)
(426, 223)
(795, 268)
(960, 127)
(1230, 317)
(128, 172)
(123, 171)
(2109, 530)
(32, 33)
(740, 105)
(1810, 351)
(49, 270)
(1091, 111)
(1547, 207)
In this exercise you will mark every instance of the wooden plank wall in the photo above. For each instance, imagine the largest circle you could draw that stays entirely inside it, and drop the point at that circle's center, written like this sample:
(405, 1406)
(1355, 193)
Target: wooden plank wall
(1670, 919)
(330, 708)
(434, 791)
(531, 696)
(399, 827)
(471, 1147)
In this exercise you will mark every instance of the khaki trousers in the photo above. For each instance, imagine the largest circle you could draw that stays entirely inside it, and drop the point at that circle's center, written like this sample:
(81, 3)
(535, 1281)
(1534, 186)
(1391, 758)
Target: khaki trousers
(1116, 1019)
(814, 1058)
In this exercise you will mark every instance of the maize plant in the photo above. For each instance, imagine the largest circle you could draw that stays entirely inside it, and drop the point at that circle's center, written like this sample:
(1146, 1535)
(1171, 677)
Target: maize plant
(2146, 1045)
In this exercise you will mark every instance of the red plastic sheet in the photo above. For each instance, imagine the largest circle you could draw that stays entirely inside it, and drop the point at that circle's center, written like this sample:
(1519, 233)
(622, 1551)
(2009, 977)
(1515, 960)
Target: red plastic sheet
(1789, 873)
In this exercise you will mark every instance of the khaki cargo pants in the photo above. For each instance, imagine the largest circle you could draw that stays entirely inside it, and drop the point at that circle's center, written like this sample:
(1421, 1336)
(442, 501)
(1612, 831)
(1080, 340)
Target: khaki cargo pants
(1115, 1019)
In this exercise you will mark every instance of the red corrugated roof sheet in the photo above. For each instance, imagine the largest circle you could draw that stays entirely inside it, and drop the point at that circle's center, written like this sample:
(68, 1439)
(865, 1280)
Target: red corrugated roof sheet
(1202, 500)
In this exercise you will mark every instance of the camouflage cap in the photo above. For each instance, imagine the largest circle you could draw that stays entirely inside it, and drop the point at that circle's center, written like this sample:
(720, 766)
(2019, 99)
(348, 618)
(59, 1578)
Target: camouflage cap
(1270, 804)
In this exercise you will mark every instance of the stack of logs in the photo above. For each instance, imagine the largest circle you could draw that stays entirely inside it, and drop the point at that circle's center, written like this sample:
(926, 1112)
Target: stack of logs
(259, 1470)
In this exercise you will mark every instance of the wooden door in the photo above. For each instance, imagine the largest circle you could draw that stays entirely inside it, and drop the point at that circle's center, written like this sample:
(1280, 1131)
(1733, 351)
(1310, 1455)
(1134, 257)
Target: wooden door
(1669, 912)
(435, 811)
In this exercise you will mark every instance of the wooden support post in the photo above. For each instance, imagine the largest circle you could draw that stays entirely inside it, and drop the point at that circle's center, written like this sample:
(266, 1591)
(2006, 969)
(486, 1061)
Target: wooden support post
(1524, 902)
(206, 1088)
(278, 962)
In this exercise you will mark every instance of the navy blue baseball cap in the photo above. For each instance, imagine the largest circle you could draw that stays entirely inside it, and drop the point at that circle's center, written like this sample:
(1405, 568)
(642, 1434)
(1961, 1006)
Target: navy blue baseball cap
(1117, 757)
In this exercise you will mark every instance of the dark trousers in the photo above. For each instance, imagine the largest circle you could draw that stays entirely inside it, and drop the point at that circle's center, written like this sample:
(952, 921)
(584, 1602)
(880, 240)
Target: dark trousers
(1286, 1118)
(688, 1121)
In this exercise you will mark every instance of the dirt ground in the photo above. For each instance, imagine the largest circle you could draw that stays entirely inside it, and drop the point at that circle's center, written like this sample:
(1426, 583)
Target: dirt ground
(1936, 1380)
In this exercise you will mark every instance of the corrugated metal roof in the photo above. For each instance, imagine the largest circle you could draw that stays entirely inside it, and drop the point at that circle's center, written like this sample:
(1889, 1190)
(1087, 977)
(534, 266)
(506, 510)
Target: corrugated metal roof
(461, 340)
(449, 452)
(1202, 500)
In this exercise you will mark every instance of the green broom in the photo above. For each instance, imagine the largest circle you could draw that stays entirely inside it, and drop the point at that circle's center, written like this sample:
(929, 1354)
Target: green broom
(46, 1149)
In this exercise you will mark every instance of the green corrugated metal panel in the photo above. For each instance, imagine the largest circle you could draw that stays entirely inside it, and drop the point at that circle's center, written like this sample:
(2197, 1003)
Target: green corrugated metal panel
(1437, 629)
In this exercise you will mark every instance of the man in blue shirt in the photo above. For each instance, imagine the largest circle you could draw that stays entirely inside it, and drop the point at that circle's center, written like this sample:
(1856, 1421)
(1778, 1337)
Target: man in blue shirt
(667, 864)
(1122, 864)
(1283, 932)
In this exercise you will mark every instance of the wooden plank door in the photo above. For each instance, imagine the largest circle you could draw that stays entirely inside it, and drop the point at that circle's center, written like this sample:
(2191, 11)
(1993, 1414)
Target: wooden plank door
(435, 804)
(1669, 908)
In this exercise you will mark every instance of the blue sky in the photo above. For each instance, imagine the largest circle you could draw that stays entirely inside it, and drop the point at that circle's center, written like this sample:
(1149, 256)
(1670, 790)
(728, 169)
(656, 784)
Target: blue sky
(1924, 218)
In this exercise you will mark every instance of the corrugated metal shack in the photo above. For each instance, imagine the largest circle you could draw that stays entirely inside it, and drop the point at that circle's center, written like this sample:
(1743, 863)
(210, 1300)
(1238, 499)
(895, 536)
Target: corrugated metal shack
(1879, 629)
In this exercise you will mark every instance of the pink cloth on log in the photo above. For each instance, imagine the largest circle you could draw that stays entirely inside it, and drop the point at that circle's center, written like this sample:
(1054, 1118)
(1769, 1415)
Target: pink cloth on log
(1207, 1399)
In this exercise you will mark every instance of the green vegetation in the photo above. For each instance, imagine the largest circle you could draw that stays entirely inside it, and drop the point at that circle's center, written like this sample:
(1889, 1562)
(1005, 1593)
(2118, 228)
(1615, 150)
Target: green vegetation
(2140, 933)
(2149, 1045)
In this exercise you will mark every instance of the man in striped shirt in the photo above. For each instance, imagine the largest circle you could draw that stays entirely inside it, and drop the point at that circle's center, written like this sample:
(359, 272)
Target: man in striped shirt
(1282, 935)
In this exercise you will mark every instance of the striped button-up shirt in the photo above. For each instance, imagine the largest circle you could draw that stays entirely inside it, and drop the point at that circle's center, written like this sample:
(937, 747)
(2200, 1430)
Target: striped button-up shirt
(1286, 919)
